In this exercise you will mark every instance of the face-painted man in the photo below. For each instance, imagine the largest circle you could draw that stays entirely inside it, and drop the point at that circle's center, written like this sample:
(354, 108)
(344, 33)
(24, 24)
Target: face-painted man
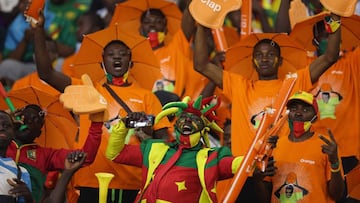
(267, 59)
(303, 111)
(153, 26)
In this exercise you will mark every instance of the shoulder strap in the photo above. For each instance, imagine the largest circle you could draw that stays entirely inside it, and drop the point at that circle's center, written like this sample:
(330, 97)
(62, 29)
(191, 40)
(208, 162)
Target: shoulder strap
(19, 172)
(117, 98)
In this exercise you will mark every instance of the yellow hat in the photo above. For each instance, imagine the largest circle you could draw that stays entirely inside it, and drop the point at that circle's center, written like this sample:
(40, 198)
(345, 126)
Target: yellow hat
(344, 8)
(305, 97)
(211, 13)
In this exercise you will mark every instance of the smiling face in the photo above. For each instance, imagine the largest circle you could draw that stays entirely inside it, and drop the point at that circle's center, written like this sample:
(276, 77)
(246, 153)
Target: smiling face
(6, 130)
(266, 60)
(116, 58)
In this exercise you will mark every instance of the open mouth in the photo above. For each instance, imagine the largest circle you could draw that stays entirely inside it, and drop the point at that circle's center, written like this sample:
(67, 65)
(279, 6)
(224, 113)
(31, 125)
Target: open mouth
(117, 65)
(187, 129)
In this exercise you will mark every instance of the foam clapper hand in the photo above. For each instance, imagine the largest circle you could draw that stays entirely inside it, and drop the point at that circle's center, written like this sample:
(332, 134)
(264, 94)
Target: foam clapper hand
(85, 99)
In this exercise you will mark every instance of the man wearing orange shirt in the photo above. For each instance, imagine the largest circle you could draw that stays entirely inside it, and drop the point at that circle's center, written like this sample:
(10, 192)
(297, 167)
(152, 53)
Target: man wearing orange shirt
(175, 56)
(311, 175)
(250, 97)
(116, 64)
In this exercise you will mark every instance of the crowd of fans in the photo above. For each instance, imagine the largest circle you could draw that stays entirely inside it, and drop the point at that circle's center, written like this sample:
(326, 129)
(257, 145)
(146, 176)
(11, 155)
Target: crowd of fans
(315, 151)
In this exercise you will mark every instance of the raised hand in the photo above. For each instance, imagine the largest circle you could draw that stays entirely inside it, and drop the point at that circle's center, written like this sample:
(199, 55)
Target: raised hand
(34, 13)
(74, 160)
(270, 170)
(330, 147)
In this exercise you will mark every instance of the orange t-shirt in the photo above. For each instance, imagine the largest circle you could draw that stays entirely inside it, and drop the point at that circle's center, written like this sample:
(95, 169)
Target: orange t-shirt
(175, 65)
(309, 169)
(341, 111)
(249, 98)
(126, 177)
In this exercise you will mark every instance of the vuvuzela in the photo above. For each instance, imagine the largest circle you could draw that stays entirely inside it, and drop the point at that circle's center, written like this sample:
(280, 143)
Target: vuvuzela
(104, 180)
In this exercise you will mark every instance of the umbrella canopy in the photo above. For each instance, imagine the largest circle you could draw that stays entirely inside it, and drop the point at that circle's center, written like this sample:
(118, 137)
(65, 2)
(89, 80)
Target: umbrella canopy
(350, 31)
(353, 182)
(34, 81)
(145, 70)
(60, 128)
(239, 56)
(129, 12)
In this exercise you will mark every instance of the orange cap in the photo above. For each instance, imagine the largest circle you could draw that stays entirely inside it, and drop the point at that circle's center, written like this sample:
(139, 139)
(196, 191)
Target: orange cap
(211, 13)
(344, 8)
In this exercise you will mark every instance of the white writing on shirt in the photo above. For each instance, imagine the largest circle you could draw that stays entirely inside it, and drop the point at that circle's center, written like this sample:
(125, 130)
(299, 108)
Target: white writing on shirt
(312, 162)
(136, 100)
(337, 72)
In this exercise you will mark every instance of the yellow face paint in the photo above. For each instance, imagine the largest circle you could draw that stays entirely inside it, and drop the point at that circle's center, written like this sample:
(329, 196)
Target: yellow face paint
(275, 61)
(161, 37)
(256, 63)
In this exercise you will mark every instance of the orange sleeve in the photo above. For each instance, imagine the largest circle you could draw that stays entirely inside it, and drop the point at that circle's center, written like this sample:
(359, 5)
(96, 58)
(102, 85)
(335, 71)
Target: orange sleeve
(180, 43)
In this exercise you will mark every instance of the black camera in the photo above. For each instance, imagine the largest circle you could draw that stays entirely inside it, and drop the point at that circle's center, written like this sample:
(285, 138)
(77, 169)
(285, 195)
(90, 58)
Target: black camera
(149, 121)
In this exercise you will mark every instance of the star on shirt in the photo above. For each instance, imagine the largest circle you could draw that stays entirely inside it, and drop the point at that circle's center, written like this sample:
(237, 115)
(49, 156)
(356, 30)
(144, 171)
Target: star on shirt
(181, 185)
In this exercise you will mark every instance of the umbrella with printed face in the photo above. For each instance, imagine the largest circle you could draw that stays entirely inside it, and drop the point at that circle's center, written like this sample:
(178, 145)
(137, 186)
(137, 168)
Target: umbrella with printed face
(303, 33)
(129, 13)
(145, 70)
(60, 128)
(239, 56)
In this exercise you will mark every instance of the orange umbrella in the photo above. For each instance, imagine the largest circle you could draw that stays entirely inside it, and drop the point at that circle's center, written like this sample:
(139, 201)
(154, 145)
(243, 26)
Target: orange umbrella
(239, 56)
(353, 182)
(60, 128)
(350, 31)
(88, 60)
(34, 81)
(129, 12)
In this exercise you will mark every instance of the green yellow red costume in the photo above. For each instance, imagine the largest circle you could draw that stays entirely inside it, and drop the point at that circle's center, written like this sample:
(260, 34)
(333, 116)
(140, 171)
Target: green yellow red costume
(183, 170)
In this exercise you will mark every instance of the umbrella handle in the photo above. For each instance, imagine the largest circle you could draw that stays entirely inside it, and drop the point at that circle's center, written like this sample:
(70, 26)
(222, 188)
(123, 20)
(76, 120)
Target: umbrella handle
(10, 104)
